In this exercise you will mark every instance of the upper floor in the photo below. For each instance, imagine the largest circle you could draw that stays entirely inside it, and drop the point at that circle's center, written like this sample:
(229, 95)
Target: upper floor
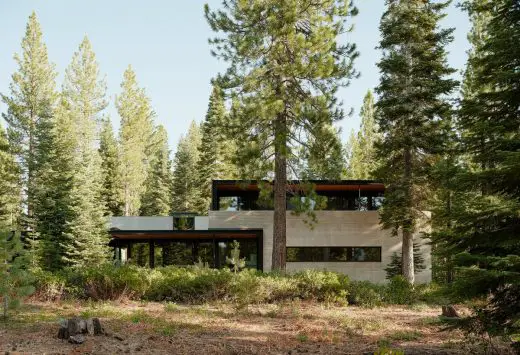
(328, 195)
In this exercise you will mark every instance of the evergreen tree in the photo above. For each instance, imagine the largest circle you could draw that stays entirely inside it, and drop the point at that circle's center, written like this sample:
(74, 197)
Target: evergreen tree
(362, 158)
(486, 232)
(156, 200)
(30, 106)
(110, 170)
(55, 183)
(84, 100)
(185, 188)
(135, 135)
(9, 185)
(15, 281)
(412, 112)
(395, 267)
(285, 67)
(324, 156)
(216, 150)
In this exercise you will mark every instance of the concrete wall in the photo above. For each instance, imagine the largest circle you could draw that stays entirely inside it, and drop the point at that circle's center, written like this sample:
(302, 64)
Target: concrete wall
(334, 228)
(142, 223)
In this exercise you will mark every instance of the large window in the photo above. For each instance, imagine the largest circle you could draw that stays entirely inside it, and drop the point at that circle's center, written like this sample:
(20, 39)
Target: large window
(333, 254)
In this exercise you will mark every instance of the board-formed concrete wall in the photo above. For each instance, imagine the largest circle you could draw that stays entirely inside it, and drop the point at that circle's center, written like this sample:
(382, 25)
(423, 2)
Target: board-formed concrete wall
(334, 228)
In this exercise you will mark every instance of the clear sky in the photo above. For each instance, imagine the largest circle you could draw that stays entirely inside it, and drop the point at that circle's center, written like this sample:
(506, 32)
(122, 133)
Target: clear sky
(166, 43)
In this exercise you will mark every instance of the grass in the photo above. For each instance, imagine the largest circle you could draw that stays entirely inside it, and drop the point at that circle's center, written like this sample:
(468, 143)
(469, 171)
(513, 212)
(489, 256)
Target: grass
(263, 328)
(405, 335)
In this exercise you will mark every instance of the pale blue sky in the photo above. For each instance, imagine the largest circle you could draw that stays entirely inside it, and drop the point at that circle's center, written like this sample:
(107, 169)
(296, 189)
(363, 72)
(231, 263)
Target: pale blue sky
(166, 43)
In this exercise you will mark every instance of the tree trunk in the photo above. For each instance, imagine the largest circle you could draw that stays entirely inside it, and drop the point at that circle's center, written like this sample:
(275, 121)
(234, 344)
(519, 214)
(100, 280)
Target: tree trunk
(280, 194)
(408, 228)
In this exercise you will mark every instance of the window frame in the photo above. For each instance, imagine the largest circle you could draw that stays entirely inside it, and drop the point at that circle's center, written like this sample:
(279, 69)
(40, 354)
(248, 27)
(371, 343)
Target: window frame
(349, 251)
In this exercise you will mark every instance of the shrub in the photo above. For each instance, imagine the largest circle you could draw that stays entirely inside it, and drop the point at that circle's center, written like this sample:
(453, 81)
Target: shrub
(365, 294)
(399, 291)
(322, 286)
(50, 286)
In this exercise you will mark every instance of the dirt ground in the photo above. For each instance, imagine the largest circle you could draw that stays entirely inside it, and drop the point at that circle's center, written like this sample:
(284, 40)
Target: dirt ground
(290, 328)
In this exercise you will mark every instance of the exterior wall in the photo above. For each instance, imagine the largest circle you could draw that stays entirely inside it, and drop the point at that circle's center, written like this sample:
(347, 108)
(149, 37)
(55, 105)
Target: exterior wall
(142, 223)
(201, 223)
(334, 228)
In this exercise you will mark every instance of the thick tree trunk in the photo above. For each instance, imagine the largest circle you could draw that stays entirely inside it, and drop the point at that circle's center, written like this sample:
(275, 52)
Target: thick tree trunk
(407, 251)
(408, 267)
(280, 193)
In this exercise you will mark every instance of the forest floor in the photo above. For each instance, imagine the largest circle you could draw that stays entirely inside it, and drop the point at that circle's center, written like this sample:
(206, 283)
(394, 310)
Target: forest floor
(288, 328)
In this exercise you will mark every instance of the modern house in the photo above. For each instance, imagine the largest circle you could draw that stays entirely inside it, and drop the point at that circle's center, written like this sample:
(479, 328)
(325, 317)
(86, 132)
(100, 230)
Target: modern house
(345, 236)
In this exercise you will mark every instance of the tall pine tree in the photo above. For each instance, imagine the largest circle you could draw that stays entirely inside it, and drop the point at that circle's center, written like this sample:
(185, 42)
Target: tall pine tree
(30, 106)
(135, 135)
(362, 158)
(216, 152)
(185, 190)
(486, 233)
(285, 66)
(156, 200)
(84, 99)
(110, 170)
(411, 112)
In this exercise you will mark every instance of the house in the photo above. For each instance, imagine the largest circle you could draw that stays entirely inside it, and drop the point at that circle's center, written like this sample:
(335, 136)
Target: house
(343, 234)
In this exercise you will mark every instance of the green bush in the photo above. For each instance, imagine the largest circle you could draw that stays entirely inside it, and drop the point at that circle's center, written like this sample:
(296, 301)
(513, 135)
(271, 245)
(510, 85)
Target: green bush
(400, 291)
(200, 285)
(365, 294)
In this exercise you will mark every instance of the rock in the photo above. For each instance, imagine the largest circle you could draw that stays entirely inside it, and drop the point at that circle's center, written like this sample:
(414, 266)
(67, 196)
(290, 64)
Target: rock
(63, 332)
(98, 329)
(77, 339)
(73, 326)
(449, 312)
(82, 325)
(90, 326)
(118, 337)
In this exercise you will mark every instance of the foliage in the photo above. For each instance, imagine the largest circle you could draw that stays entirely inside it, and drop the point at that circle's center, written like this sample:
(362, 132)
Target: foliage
(217, 151)
(395, 266)
(365, 294)
(15, 281)
(185, 188)
(233, 260)
(30, 106)
(361, 155)
(484, 236)
(83, 100)
(110, 170)
(9, 184)
(156, 200)
(135, 133)
(285, 66)
(412, 111)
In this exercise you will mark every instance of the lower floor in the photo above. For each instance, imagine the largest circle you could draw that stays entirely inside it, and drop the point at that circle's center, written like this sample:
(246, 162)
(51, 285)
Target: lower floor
(186, 248)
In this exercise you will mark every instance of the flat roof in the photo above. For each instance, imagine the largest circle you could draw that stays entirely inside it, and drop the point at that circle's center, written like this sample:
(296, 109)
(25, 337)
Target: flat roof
(184, 234)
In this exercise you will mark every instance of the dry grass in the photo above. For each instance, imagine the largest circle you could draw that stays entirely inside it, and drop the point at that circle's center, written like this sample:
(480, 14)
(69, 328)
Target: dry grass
(288, 328)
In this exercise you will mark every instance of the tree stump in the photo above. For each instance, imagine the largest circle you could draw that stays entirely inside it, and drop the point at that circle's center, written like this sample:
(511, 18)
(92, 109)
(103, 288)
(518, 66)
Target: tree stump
(74, 326)
(449, 312)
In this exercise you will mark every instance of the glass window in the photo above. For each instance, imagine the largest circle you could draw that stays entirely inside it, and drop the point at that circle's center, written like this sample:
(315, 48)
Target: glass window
(229, 203)
(334, 254)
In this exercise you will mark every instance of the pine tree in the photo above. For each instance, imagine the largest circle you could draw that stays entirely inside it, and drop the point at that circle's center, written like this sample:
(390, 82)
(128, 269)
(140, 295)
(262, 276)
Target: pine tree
(285, 66)
(135, 135)
(30, 106)
(110, 170)
(486, 233)
(395, 267)
(156, 200)
(15, 281)
(55, 183)
(412, 112)
(216, 150)
(362, 159)
(324, 157)
(185, 189)
(9, 185)
(84, 99)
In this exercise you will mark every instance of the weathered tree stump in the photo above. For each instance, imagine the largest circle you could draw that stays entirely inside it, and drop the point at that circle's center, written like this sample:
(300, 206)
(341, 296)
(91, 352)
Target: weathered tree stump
(450, 312)
(74, 326)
